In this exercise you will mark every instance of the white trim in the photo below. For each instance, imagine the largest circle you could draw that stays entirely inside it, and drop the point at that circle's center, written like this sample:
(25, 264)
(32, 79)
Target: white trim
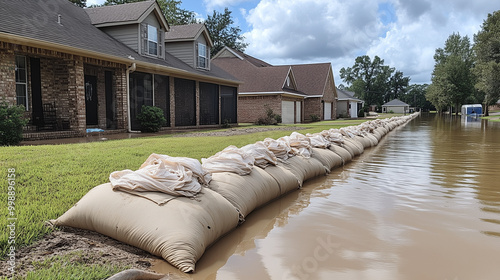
(230, 50)
(272, 93)
(313, 96)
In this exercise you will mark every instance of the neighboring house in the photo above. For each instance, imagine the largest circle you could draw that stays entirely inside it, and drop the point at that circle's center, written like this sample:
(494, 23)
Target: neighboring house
(293, 91)
(75, 69)
(348, 106)
(396, 106)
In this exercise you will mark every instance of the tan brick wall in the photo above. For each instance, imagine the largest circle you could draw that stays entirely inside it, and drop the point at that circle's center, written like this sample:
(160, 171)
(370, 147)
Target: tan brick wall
(7, 76)
(251, 108)
(313, 106)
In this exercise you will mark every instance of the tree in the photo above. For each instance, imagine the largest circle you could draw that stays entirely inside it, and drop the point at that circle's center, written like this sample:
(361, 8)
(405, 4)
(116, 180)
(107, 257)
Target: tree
(373, 81)
(170, 8)
(487, 68)
(222, 32)
(79, 3)
(452, 79)
(415, 96)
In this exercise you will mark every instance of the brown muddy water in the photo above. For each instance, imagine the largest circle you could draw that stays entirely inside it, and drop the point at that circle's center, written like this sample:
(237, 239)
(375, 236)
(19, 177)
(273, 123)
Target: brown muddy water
(423, 204)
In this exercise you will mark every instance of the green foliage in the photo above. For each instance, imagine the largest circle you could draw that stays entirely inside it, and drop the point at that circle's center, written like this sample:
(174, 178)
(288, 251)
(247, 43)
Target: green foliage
(226, 124)
(223, 33)
(374, 82)
(452, 79)
(487, 67)
(270, 119)
(391, 112)
(79, 3)
(151, 118)
(415, 96)
(361, 113)
(12, 122)
(315, 118)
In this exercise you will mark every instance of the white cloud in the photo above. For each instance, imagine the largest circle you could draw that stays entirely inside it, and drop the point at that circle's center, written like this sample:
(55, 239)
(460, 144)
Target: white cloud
(337, 31)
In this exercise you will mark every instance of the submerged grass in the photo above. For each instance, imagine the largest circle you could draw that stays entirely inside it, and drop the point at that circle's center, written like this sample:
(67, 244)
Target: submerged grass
(49, 179)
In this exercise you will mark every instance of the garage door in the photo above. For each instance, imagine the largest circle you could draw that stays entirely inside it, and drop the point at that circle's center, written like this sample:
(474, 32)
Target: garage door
(287, 111)
(327, 111)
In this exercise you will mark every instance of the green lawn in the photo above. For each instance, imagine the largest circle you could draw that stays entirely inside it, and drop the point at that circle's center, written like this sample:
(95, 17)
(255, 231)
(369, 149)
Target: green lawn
(49, 179)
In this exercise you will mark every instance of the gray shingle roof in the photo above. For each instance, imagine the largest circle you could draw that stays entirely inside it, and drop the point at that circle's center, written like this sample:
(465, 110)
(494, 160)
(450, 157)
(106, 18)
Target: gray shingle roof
(311, 78)
(119, 13)
(38, 20)
(346, 95)
(182, 32)
(395, 102)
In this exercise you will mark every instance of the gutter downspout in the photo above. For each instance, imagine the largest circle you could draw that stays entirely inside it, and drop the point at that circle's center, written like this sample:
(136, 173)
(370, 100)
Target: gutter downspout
(129, 70)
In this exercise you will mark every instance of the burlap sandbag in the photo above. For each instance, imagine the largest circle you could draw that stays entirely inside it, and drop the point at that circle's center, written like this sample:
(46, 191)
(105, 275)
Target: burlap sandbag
(285, 179)
(364, 141)
(344, 154)
(246, 192)
(353, 146)
(328, 158)
(303, 168)
(372, 138)
(178, 231)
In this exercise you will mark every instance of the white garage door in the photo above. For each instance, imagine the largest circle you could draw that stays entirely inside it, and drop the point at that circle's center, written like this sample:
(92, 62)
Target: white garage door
(354, 110)
(298, 112)
(327, 111)
(287, 112)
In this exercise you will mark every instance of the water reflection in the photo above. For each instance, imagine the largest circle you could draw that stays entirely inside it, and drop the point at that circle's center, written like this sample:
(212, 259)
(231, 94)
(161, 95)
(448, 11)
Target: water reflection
(423, 204)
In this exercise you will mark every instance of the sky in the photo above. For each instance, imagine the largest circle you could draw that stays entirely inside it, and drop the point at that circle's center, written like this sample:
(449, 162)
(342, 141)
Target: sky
(404, 33)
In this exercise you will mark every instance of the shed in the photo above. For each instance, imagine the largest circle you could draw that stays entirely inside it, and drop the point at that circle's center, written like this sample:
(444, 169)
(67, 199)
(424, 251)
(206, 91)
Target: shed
(472, 109)
(396, 106)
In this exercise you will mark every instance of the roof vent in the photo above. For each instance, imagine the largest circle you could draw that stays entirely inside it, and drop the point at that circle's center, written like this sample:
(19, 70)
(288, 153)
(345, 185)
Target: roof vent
(59, 19)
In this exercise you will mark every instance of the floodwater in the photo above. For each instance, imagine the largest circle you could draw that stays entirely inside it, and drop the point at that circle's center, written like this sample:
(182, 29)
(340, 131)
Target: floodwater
(423, 204)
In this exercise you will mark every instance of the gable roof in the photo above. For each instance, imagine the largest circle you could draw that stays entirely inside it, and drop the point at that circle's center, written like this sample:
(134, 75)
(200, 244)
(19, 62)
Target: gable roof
(228, 52)
(77, 35)
(188, 32)
(395, 102)
(345, 95)
(312, 78)
(125, 14)
(259, 80)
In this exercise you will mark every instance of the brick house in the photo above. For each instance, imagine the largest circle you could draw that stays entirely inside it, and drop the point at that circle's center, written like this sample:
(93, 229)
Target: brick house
(75, 69)
(296, 92)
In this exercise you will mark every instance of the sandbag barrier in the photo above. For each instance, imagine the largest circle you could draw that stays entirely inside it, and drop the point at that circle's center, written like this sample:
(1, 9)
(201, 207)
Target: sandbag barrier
(175, 207)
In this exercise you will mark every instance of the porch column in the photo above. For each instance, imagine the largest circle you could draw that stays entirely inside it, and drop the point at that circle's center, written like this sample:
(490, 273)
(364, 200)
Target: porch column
(120, 85)
(76, 92)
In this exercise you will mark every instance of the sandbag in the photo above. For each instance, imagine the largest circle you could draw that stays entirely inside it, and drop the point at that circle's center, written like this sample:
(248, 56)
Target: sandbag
(281, 149)
(231, 159)
(285, 179)
(372, 138)
(178, 231)
(364, 141)
(318, 141)
(328, 158)
(246, 192)
(299, 144)
(344, 154)
(353, 146)
(303, 168)
(161, 173)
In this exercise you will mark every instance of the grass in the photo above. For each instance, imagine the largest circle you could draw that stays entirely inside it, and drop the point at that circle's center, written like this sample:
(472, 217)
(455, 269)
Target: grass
(49, 179)
(71, 266)
(492, 118)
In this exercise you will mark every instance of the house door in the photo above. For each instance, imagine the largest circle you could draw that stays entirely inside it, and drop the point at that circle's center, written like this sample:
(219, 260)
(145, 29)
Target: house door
(288, 112)
(327, 111)
(91, 99)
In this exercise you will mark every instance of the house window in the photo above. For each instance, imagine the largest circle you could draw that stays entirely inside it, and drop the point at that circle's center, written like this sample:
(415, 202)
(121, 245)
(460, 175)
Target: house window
(152, 40)
(202, 56)
(21, 81)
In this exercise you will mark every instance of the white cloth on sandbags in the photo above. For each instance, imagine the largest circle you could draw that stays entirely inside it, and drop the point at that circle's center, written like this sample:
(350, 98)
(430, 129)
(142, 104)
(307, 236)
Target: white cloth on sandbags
(160, 176)
(318, 141)
(299, 144)
(231, 159)
(262, 155)
(333, 136)
(281, 149)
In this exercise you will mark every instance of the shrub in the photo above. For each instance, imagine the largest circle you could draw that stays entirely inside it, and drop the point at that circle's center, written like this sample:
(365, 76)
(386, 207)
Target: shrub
(151, 118)
(226, 124)
(391, 112)
(361, 113)
(12, 122)
(270, 119)
(315, 118)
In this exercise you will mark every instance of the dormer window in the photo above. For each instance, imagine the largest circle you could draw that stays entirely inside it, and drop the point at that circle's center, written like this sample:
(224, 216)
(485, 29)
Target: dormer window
(152, 40)
(202, 56)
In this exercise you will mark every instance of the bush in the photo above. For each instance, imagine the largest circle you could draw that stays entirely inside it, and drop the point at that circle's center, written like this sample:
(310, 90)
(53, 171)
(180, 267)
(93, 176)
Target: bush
(391, 112)
(270, 119)
(361, 113)
(151, 118)
(12, 122)
(315, 118)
